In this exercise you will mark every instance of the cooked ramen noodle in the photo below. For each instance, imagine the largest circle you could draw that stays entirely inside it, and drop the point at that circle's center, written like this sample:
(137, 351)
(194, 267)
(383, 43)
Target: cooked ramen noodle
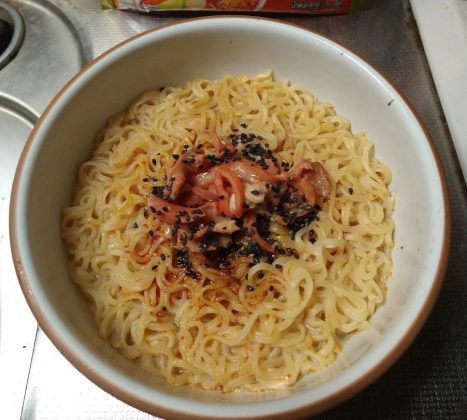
(230, 234)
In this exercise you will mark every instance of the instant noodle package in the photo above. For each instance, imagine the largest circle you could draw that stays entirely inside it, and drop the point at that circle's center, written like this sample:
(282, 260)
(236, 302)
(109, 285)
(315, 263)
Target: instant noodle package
(268, 6)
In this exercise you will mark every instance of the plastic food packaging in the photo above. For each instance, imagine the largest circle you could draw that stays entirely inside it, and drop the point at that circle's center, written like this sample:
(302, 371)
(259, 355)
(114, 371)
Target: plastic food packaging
(261, 6)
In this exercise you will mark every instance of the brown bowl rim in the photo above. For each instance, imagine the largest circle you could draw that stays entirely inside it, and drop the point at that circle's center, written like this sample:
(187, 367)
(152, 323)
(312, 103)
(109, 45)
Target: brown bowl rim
(153, 408)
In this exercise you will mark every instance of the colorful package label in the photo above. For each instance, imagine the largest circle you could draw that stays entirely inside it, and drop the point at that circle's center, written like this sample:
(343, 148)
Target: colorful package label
(287, 6)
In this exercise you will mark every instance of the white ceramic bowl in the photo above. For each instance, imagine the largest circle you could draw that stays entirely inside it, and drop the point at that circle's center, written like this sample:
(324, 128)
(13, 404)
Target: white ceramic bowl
(211, 48)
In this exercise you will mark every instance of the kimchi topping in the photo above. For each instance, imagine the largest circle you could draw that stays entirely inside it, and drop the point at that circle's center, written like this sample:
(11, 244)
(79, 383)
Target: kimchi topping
(221, 198)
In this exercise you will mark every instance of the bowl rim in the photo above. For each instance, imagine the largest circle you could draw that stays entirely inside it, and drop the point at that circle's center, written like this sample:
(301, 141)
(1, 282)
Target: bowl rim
(154, 408)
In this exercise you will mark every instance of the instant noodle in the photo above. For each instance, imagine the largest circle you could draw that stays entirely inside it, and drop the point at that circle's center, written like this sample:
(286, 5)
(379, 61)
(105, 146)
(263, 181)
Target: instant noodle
(230, 234)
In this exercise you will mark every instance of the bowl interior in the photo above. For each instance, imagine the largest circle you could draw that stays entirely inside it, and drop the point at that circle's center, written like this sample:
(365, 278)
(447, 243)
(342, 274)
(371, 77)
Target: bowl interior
(210, 49)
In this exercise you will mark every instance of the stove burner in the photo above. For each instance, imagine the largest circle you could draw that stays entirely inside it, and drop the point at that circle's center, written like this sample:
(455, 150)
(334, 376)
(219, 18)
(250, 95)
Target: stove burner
(11, 33)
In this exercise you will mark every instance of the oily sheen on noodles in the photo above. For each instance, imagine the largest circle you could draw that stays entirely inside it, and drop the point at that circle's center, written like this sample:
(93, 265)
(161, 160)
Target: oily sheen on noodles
(250, 320)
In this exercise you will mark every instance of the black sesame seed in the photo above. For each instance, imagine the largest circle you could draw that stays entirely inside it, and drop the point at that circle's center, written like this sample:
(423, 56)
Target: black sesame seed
(145, 179)
(255, 192)
(350, 190)
(151, 233)
(155, 267)
(243, 125)
(250, 288)
(154, 161)
(163, 257)
(193, 274)
(279, 266)
(166, 209)
(271, 288)
(135, 225)
(175, 156)
(260, 275)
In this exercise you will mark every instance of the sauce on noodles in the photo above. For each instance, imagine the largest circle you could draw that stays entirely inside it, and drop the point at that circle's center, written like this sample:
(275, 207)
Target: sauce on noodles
(229, 234)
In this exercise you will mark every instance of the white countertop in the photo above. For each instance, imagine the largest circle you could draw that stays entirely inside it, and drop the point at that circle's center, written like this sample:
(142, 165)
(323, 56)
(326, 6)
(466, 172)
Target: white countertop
(443, 28)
